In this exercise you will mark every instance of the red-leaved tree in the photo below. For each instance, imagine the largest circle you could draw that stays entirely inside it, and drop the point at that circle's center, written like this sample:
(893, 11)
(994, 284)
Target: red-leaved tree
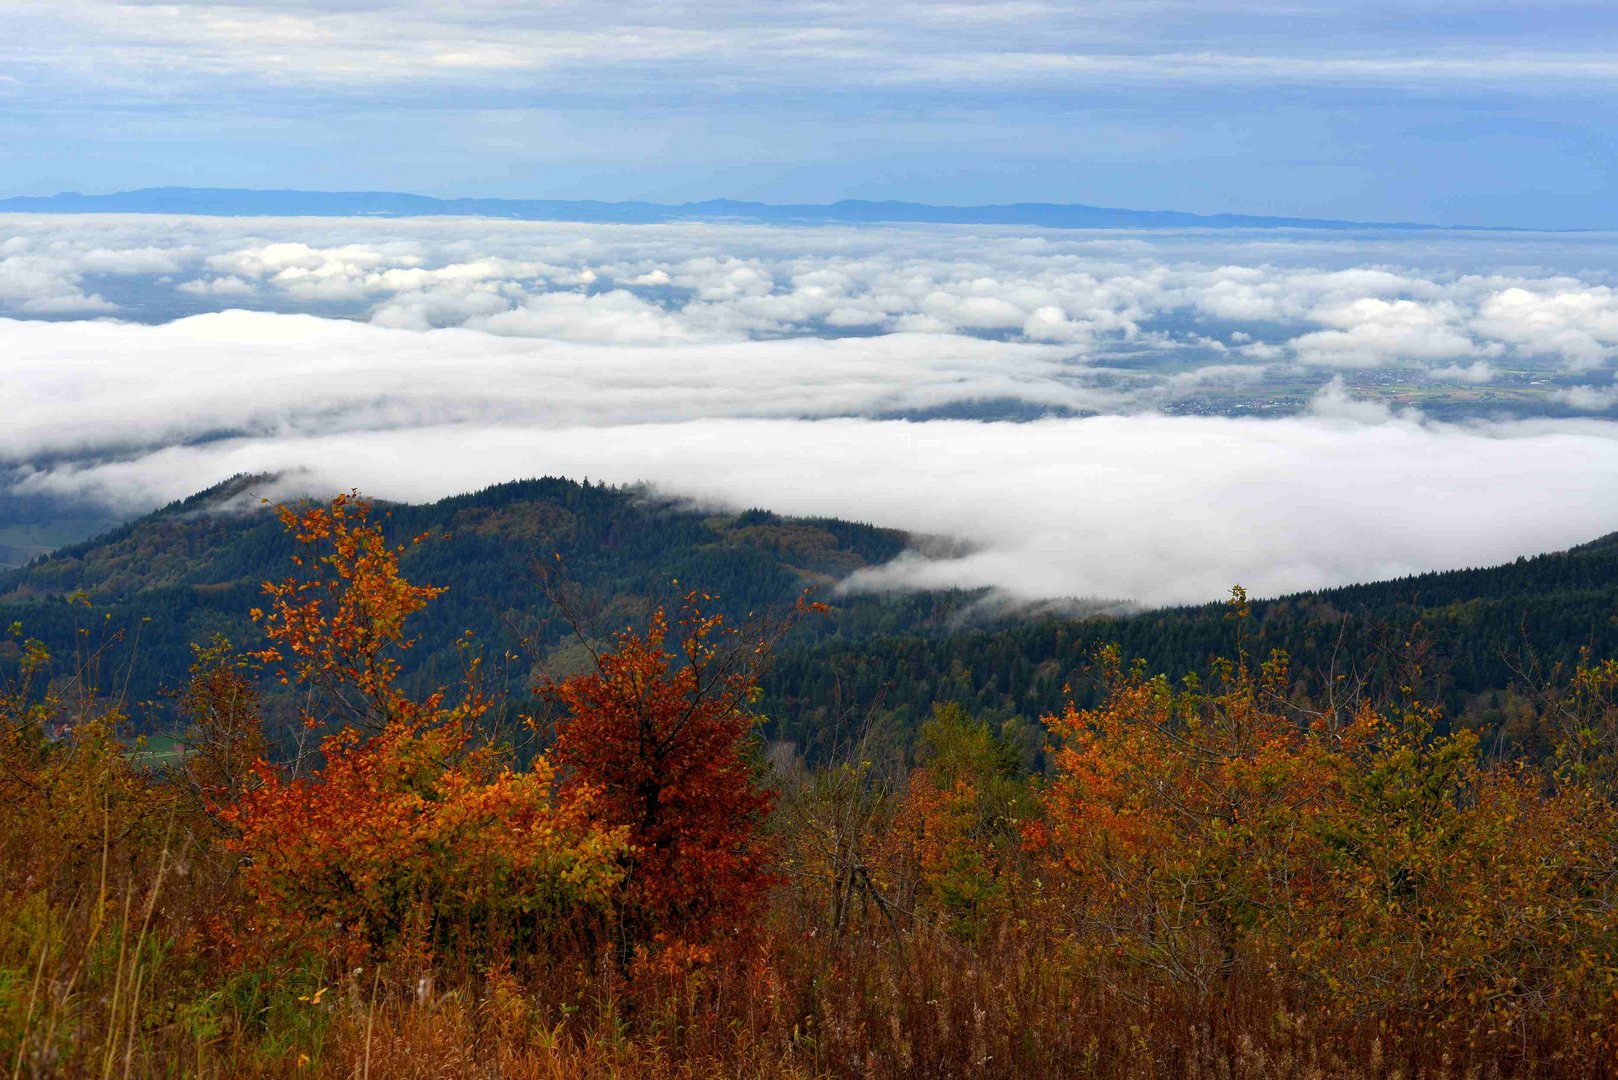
(662, 731)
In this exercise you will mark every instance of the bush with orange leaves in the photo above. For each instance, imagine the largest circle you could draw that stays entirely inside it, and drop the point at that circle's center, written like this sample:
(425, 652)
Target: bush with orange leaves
(1451, 886)
(1220, 833)
(412, 840)
(1179, 819)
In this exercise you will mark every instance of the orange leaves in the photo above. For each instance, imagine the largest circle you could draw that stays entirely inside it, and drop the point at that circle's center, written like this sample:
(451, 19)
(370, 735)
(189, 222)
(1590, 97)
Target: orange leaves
(388, 849)
(411, 839)
(1210, 829)
(959, 824)
(340, 627)
(1179, 816)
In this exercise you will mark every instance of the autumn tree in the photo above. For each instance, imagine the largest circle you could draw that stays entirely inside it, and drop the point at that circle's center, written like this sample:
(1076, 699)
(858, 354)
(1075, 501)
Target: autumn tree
(224, 736)
(960, 824)
(337, 627)
(1179, 815)
(412, 838)
(88, 850)
(1453, 887)
(662, 729)
(1579, 714)
(835, 825)
(70, 791)
(1369, 862)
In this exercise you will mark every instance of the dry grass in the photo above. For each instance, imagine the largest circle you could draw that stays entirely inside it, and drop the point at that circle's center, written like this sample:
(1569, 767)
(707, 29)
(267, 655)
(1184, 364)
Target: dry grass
(858, 1009)
(107, 970)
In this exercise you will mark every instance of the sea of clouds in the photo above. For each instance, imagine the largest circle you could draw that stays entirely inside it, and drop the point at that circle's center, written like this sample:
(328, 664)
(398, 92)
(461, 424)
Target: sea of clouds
(828, 371)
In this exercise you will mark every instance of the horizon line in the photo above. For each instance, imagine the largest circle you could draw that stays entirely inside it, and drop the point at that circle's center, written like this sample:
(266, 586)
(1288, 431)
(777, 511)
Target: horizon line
(294, 202)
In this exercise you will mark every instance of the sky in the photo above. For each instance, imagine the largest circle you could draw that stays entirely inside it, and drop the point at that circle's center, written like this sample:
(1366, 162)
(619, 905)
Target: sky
(1447, 111)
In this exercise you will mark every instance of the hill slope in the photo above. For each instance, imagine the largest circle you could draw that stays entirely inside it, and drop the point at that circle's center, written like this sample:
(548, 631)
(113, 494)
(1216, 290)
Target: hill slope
(1481, 633)
(193, 569)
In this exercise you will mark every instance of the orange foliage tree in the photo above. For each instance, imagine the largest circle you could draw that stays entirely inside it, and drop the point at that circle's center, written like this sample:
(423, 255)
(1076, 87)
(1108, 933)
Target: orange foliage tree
(1220, 831)
(1453, 886)
(412, 838)
(338, 627)
(1178, 816)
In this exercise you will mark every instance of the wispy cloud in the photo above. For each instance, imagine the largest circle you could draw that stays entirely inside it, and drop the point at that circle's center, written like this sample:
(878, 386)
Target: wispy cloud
(164, 50)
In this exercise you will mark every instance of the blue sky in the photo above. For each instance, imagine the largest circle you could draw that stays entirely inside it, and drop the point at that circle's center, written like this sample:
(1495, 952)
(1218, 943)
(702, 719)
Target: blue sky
(1453, 111)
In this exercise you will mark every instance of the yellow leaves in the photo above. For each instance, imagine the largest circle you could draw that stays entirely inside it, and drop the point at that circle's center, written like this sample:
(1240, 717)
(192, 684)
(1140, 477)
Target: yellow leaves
(1237, 606)
(344, 626)
(1388, 863)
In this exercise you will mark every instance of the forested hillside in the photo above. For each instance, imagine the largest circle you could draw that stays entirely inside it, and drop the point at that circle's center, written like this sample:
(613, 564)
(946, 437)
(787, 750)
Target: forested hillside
(1483, 631)
(138, 597)
(145, 592)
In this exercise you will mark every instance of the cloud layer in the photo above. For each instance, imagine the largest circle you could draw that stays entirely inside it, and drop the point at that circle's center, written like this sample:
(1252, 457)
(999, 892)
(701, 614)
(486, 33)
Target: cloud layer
(86, 388)
(809, 370)
(1462, 308)
(1152, 509)
(1133, 505)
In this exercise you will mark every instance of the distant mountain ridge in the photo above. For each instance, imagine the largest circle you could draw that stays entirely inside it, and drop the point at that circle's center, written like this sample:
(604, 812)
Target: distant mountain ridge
(242, 202)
